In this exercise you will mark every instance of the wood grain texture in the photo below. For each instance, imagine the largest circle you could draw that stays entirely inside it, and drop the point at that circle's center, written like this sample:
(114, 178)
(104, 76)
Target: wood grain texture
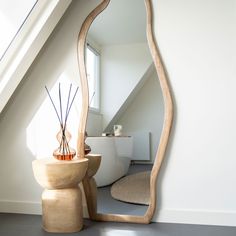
(89, 184)
(61, 200)
(168, 105)
(51, 173)
(62, 210)
(168, 117)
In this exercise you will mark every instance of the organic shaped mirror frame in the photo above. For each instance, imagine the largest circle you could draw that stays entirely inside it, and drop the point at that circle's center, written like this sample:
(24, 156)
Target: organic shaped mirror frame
(168, 116)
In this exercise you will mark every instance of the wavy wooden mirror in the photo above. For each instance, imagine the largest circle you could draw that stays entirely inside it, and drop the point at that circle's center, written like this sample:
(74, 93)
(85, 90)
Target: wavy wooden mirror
(146, 211)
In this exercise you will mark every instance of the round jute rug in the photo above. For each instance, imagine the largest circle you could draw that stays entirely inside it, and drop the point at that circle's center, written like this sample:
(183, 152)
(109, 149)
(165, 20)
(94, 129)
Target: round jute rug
(133, 188)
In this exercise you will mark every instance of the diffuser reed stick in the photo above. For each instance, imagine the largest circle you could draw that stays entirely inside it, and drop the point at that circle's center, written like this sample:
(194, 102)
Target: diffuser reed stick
(64, 152)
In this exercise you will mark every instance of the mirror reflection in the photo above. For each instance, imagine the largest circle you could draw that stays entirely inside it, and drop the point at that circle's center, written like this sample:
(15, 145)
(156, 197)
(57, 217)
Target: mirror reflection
(126, 107)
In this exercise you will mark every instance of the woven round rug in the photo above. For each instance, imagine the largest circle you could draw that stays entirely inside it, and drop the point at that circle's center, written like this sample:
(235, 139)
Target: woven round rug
(133, 188)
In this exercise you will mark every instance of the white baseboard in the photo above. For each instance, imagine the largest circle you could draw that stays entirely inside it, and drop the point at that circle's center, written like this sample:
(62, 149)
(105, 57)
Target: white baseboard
(163, 215)
(32, 208)
(200, 217)
(20, 207)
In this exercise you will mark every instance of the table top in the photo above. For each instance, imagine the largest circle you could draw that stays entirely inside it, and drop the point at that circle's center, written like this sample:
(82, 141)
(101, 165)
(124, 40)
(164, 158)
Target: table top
(54, 161)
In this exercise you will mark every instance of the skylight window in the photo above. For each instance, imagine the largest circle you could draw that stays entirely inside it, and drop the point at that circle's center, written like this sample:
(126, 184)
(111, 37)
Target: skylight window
(34, 28)
(13, 14)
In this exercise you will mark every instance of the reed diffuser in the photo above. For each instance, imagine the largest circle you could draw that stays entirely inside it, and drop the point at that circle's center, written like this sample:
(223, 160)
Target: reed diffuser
(64, 151)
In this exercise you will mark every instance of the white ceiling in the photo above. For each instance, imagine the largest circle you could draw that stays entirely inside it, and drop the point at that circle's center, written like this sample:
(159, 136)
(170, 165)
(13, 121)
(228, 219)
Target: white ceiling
(122, 22)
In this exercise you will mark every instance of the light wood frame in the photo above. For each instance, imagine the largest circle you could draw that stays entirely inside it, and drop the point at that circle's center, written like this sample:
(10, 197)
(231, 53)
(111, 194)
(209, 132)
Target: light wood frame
(168, 115)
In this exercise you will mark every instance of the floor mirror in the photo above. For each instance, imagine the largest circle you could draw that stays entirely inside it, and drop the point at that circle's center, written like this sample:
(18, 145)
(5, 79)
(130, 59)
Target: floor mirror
(133, 98)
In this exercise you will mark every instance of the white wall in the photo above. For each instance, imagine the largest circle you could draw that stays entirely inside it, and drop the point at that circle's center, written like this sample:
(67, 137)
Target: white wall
(197, 43)
(122, 66)
(19, 190)
(94, 124)
(146, 113)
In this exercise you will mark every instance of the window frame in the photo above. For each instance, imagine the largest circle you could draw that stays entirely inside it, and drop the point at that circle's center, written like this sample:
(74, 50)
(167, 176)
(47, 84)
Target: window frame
(90, 46)
(27, 44)
(18, 31)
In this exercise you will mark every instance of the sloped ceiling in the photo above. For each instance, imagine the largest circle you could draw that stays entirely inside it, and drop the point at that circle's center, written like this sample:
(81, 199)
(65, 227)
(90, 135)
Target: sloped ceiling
(14, 67)
(113, 25)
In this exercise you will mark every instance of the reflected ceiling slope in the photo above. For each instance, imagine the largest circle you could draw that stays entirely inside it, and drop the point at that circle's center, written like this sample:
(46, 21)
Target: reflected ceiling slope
(105, 31)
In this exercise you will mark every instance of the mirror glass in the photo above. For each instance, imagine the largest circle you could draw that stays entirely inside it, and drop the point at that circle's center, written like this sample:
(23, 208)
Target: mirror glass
(126, 111)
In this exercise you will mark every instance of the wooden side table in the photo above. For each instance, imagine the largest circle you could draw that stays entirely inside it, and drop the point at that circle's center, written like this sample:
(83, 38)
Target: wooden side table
(62, 199)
